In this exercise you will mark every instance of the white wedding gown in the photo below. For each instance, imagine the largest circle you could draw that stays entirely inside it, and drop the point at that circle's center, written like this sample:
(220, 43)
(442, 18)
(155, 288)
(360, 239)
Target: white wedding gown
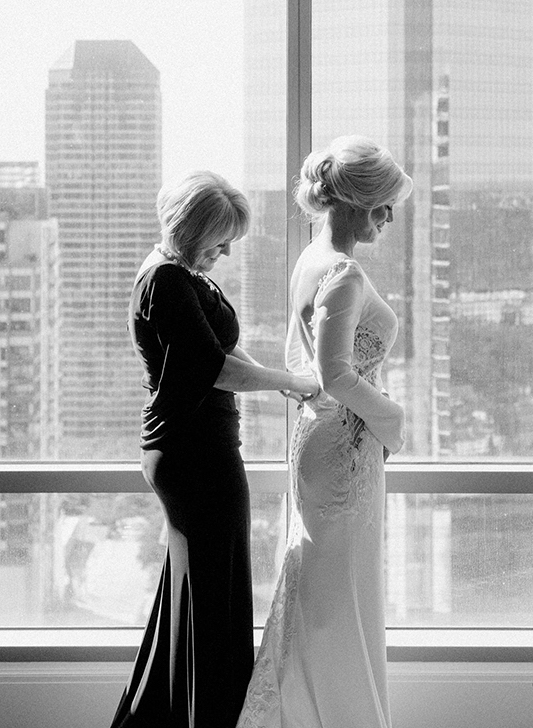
(322, 661)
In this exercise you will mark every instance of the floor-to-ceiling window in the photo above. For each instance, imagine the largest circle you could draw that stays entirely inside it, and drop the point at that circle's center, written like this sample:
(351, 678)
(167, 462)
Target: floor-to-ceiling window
(443, 85)
(114, 104)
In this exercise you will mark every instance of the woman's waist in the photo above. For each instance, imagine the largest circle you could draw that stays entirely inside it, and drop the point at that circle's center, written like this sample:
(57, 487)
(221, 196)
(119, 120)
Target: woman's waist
(370, 372)
(209, 426)
(324, 400)
(215, 398)
(218, 406)
(217, 410)
(323, 407)
(219, 399)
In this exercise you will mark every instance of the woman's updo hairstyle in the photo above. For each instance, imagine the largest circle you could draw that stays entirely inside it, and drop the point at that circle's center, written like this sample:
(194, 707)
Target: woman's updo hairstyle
(199, 211)
(354, 170)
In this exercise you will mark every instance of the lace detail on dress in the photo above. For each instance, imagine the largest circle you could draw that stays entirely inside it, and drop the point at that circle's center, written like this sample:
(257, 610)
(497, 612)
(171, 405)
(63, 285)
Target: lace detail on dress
(263, 696)
(368, 352)
(352, 458)
(335, 269)
(349, 461)
(298, 440)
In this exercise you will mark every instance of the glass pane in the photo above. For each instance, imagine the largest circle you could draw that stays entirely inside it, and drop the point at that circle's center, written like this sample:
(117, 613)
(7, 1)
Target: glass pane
(459, 560)
(193, 86)
(258, 279)
(89, 560)
(444, 85)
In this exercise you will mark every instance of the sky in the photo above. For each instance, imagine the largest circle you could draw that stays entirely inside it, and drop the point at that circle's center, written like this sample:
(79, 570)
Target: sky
(197, 45)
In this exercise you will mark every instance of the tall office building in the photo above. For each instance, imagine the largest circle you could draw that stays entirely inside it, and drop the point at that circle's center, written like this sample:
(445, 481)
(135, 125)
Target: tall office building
(25, 231)
(465, 138)
(103, 170)
(441, 84)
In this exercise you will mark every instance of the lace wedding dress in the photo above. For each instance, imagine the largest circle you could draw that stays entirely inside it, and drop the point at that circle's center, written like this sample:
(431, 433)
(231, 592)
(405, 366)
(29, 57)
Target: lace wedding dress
(322, 662)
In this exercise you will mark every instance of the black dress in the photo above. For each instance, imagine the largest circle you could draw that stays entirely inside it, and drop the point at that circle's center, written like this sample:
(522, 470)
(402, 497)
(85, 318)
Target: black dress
(196, 656)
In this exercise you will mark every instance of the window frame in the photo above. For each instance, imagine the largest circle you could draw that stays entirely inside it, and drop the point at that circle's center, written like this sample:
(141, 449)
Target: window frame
(404, 645)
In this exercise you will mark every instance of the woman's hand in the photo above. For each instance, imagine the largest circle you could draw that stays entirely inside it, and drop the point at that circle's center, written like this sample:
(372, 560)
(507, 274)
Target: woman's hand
(304, 389)
(308, 387)
(291, 395)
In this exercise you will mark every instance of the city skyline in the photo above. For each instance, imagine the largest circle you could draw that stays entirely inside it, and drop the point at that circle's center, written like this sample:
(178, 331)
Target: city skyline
(196, 47)
(441, 85)
(436, 75)
(75, 536)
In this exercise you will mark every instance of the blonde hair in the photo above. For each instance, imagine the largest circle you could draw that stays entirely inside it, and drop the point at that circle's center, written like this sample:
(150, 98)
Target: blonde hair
(354, 170)
(202, 208)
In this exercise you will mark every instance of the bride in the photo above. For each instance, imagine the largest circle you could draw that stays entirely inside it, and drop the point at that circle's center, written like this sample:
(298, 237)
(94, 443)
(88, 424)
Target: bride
(322, 661)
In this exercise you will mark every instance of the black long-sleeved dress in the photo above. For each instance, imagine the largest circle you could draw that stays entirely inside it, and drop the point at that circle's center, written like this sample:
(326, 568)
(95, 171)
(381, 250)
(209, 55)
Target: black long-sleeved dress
(196, 655)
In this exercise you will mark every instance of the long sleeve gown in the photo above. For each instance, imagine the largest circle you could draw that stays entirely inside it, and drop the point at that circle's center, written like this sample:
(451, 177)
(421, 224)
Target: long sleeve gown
(196, 655)
(322, 662)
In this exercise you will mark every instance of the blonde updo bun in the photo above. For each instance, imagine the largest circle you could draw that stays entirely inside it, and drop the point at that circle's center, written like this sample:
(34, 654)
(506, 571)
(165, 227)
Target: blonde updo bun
(312, 193)
(352, 170)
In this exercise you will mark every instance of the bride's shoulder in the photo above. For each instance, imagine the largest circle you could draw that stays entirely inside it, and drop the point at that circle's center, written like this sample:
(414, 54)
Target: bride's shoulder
(339, 269)
(316, 275)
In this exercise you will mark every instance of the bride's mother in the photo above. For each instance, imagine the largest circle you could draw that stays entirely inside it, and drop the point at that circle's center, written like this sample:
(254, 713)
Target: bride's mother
(196, 656)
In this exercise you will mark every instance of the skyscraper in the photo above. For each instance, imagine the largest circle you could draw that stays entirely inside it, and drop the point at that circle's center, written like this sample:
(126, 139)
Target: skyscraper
(103, 170)
(25, 231)
(441, 84)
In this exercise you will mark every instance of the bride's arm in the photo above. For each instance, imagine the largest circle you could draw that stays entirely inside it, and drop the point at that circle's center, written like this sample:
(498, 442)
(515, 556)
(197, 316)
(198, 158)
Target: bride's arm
(337, 317)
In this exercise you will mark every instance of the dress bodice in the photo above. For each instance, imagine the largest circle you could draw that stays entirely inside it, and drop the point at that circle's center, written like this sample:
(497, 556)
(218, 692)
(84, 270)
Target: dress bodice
(376, 330)
(348, 334)
(373, 323)
(182, 327)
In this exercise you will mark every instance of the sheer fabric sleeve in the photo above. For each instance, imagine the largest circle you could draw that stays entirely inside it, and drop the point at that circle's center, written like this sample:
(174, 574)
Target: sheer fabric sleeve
(338, 311)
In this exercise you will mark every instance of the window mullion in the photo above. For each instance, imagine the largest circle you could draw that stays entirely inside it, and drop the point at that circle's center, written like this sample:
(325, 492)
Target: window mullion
(298, 141)
(298, 116)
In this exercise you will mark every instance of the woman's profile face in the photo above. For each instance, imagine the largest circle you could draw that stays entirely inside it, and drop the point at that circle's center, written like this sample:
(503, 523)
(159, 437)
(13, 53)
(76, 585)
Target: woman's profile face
(370, 224)
(208, 256)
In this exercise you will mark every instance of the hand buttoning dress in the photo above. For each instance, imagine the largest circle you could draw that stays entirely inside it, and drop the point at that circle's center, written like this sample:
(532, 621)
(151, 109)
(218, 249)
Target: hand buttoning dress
(322, 662)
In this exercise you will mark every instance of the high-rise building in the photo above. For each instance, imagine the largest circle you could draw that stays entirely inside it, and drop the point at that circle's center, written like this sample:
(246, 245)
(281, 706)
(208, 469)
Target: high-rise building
(103, 170)
(25, 231)
(464, 139)
(441, 84)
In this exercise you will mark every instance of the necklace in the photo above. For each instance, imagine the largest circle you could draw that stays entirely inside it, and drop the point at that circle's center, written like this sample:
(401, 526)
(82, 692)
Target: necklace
(169, 254)
(178, 260)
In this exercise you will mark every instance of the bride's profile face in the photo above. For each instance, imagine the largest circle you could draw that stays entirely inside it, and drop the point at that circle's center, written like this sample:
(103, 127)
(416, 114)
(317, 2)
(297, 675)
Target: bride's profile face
(371, 222)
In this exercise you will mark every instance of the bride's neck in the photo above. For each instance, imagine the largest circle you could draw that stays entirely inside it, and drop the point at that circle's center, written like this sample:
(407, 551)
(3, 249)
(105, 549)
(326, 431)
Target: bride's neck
(337, 233)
